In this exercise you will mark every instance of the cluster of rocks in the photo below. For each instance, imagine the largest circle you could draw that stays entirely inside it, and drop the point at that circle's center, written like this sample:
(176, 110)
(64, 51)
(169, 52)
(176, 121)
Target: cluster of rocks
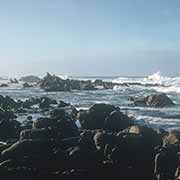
(53, 83)
(153, 100)
(108, 144)
(14, 81)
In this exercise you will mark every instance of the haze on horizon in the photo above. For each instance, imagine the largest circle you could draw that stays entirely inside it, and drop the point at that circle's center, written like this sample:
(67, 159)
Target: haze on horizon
(77, 37)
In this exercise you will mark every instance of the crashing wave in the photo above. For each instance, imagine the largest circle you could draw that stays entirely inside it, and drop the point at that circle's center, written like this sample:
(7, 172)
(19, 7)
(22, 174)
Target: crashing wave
(159, 83)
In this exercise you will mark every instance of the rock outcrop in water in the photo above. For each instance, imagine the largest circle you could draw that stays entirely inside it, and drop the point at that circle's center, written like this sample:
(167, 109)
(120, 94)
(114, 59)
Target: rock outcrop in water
(27, 85)
(14, 81)
(52, 83)
(155, 100)
(30, 79)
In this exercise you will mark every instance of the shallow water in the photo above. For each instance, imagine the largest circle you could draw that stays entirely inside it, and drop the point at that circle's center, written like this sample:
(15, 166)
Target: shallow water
(168, 118)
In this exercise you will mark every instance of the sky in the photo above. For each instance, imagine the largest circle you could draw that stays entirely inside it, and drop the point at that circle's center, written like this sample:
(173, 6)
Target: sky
(89, 37)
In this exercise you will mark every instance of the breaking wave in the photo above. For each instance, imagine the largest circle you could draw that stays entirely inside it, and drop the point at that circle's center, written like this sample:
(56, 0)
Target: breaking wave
(159, 83)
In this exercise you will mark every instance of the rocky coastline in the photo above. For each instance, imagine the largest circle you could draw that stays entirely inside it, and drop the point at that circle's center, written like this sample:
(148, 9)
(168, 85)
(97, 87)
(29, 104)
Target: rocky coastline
(100, 142)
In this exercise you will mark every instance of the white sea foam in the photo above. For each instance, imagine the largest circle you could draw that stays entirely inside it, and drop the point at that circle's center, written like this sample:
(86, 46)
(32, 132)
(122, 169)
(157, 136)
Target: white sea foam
(164, 84)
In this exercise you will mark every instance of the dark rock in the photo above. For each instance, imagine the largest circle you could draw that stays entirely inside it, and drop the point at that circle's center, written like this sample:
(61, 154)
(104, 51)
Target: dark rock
(14, 81)
(94, 118)
(26, 85)
(117, 121)
(99, 82)
(45, 102)
(150, 136)
(88, 86)
(30, 79)
(9, 127)
(30, 102)
(62, 104)
(8, 103)
(59, 121)
(157, 100)
(4, 85)
(54, 84)
(41, 134)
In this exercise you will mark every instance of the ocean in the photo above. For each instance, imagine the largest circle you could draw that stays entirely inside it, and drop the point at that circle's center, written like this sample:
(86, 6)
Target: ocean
(167, 118)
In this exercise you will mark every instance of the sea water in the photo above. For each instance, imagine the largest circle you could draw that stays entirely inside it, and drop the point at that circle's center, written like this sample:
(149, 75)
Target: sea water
(168, 118)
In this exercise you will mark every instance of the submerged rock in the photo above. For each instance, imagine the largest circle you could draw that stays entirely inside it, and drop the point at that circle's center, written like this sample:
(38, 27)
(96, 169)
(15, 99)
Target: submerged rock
(154, 100)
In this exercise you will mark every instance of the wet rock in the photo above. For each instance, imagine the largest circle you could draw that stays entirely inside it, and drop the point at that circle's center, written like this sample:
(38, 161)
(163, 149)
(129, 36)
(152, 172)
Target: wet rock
(99, 82)
(62, 104)
(52, 83)
(60, 121)
(9, 127)
(14, 81)
(41, 134)
(156, 100)
(8, 103)
(150, 136)
(94, 118)
(45, 102)
(117, 121)
(30, 79)
(4, 85)
(87, 86)
(26, 85)
(30, 102)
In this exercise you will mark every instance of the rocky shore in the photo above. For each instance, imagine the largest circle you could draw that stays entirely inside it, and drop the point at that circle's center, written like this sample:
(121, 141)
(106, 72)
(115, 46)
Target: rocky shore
(100, 142)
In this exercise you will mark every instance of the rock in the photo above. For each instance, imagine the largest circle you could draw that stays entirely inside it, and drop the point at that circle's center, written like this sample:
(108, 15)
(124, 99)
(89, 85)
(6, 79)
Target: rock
(45, 102)
(54, 84)
(30, 79)
(26, 85)
(38, 134)
(8, 103)
(99, 82)
(30, 102)
(60, 121)
(88, 87)
(4, 85)
(94, 118)
(14, 81)
(156, 100)
(150, 136)
(62, 104)
(172, 138)
(117, 121)
(9, 127)
(36, 150)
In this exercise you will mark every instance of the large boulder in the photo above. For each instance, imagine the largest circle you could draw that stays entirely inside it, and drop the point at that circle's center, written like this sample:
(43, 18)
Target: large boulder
(9, 127)
(117, 121)
(52, 83)
(154, 100)
(59, 120)
(150, 136)
(101, 116)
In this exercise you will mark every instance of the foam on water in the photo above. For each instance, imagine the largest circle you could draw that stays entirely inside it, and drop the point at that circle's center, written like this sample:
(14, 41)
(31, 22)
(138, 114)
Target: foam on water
(159, 83)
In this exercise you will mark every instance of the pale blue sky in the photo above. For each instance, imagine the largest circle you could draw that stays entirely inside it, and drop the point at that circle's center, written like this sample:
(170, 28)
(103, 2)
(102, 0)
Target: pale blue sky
(89, 37)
